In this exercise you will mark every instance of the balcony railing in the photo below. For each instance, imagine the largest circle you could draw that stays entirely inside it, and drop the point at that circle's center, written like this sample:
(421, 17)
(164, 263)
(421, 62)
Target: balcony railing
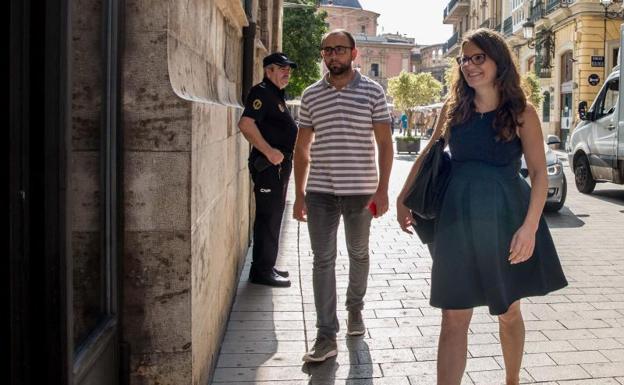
(508, 26)
(450, 43)
(456, 9)
(551, 6)
(536, 12)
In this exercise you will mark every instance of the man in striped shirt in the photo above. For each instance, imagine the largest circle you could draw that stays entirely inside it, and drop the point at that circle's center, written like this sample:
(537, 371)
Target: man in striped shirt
(342, 117)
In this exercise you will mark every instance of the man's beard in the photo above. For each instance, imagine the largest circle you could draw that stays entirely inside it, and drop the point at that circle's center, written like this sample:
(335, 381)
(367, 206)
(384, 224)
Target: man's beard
(338, 68)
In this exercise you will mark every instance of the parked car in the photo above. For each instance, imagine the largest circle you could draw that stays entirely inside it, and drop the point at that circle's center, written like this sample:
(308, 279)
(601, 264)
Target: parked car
(557, 184)
(596, 150)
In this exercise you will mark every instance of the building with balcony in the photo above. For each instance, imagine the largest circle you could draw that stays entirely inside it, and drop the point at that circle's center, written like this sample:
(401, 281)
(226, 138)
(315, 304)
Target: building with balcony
(573, 40)
(457, 13)
(379, 56)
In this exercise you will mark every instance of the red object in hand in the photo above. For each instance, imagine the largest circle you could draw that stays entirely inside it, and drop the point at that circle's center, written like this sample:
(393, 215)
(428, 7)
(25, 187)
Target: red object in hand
(372, 207)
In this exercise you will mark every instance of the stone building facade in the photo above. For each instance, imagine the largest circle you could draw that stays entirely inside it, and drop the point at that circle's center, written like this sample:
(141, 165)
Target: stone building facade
(139, 175)
(568, 34)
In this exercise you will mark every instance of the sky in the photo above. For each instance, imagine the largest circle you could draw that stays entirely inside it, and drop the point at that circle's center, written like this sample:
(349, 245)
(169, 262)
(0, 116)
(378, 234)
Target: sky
(420, 19)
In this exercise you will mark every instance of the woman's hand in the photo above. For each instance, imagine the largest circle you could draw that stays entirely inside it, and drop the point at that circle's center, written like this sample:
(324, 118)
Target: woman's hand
(404, 216)
(522, 245)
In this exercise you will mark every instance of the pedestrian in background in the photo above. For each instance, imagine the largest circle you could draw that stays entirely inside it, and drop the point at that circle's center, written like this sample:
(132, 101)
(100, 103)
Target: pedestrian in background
(343, 116)
(267, 124)
(491, 246)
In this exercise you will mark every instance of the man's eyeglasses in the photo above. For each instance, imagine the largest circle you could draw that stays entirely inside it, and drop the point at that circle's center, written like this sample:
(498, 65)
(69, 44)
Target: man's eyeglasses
(338, 50)
(476, 59)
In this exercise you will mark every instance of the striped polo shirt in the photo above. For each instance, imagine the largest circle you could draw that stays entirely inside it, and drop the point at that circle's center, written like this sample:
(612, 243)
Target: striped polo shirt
(343, 151)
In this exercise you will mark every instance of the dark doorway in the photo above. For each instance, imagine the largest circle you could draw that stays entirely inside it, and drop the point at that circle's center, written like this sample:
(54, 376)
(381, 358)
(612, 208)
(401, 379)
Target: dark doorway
(64, 192)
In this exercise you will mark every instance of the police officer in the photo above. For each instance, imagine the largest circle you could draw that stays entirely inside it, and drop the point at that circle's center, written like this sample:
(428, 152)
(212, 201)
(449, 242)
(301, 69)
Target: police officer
(267, 124)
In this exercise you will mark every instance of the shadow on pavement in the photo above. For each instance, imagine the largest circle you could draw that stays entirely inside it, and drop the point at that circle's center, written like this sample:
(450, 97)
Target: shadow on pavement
(361, 368)
(564, 218)
(321, 373)
(611, 196)
(405, 157)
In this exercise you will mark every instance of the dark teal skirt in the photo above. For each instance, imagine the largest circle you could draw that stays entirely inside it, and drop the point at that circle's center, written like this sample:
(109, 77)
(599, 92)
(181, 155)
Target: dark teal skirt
(483, 207)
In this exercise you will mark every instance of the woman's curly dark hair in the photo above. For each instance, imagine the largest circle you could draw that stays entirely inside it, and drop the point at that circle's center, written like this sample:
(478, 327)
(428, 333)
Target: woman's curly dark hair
(512, 100)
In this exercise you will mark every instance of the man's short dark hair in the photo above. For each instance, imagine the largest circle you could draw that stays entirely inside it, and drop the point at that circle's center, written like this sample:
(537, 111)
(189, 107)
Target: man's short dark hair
(340, 31)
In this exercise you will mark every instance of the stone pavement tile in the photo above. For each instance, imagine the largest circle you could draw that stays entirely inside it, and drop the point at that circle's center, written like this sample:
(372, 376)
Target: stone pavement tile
(425, 353)
(374, 323)
(404, 296)
(497, 377)
(431, 379)
(416, 303)
(485, 350)
(388, 313)
(409, 368)
(272, 382)
(533, 336)
(385, 356)
(577, 307)
(479, 364)
(419, 321)
(620, 380)
(263, 347)
(252, 360)
(355, 344)
(394, 332)
(548, 346)
(605, 333)
(481, 338)
(319, 371)
(490, 327)
(530, 359)
(263, 335)
(430, 330)
(611, 369)
(266, 315)
(262, 373)
(543, 325)
(265, 325)
(552, 298)
(585, 323)
(384, 305)
(597, 381)
(583, 357)
(565, 335)
(557, 373)
(388, 276)
(614, 355)
(596, 344)
(414, 342)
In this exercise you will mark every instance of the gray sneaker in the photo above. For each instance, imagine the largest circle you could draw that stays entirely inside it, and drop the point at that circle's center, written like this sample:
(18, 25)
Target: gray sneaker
(324, 347)
(355, 323)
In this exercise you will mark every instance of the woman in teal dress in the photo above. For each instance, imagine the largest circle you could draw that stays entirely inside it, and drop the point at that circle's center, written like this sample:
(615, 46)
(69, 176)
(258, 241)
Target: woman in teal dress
(491, 244)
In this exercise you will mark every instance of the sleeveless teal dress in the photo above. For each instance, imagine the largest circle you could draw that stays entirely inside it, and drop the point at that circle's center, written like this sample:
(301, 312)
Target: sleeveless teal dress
(484, 205)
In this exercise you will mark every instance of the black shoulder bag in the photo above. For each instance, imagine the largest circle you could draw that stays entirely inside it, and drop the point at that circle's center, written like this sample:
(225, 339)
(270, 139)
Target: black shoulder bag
(425, 196)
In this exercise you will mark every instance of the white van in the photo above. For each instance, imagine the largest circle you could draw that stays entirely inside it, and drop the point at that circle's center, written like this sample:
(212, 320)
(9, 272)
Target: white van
(597, 143)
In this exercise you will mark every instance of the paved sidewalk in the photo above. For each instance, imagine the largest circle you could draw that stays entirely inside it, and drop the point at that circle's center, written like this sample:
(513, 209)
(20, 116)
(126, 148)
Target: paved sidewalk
(574, 336)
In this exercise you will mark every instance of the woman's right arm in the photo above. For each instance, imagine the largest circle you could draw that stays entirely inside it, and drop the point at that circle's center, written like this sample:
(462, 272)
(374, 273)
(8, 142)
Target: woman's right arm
(404, 216)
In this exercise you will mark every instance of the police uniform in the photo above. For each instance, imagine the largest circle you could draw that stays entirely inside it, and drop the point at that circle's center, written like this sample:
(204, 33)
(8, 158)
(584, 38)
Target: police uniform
(267, 107)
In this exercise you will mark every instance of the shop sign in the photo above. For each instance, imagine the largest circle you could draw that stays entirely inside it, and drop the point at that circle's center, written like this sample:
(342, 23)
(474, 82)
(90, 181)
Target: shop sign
(593, 79)
(597, 61)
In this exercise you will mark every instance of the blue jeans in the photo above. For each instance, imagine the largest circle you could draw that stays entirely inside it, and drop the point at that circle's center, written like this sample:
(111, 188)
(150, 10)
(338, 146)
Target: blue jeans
(324, 211)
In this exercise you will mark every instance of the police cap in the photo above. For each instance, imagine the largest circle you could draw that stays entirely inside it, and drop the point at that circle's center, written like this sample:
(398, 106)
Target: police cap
(279, 59)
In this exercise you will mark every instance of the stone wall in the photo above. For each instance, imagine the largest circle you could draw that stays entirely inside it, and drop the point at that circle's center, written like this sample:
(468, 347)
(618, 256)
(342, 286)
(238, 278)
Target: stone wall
(187, 188)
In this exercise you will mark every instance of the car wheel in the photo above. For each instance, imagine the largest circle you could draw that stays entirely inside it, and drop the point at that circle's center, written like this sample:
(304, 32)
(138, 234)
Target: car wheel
(583, 178)
(556, 206)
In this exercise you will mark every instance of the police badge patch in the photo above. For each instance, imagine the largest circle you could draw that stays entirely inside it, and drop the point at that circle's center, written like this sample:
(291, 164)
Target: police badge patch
(256, 104)
(281, 107)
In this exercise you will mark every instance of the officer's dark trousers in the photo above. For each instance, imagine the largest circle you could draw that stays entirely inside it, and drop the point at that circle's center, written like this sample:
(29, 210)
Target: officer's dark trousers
(270, 193)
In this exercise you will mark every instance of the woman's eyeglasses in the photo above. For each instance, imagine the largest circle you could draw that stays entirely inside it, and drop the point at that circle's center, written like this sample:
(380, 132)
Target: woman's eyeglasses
(338, 50)
(476, 59)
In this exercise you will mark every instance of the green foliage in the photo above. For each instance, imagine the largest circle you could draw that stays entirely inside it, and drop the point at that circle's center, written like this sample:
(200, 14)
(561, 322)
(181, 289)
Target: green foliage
(531, 85)
(303, 29)
(449, 73)
(409, 90)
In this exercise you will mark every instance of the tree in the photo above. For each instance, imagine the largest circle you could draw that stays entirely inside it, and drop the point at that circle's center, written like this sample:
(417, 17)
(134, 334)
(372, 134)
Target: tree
(409, 90)
(303, 29)
(449, 73)
(532, 88)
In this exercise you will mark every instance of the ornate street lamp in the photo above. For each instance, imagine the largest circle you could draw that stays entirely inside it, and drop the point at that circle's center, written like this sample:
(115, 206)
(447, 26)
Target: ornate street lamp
(543, 42)
(606, 4)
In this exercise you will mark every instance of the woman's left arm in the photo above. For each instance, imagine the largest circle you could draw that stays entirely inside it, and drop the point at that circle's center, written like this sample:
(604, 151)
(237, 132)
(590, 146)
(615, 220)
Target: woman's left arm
(523, 241)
